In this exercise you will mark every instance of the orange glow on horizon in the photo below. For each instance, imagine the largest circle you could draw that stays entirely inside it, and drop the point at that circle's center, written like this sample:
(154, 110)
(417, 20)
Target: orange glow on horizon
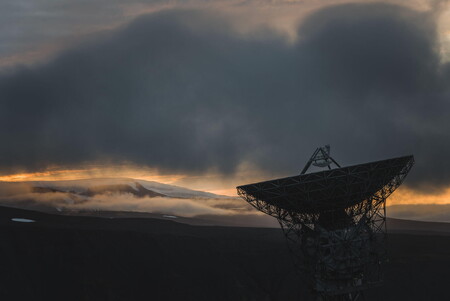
(92, 172)
(404, 195)
(40, 176)
(226, 191)
(212, 182)
(193, 182)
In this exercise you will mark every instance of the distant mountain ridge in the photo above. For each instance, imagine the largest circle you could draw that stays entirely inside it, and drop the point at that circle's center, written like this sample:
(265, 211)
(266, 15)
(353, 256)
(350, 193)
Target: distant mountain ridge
(91, 187)
(138, 190)
(116, 194)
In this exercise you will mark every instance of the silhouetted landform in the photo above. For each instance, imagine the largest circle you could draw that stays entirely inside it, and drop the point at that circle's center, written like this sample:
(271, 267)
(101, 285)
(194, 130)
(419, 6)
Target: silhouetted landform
(114, 185)
(138, 191)
(395, 225)
(57, 257)
(45, 190)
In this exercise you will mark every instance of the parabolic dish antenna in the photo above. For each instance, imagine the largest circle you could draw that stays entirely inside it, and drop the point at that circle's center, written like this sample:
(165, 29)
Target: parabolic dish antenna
(334, 220)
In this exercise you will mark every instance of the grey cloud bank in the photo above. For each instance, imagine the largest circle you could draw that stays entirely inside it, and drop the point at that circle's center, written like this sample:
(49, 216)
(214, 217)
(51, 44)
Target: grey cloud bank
(181, 91)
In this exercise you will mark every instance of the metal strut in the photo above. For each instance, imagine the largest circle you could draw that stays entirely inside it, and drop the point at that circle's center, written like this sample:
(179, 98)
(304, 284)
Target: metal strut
(321, 158)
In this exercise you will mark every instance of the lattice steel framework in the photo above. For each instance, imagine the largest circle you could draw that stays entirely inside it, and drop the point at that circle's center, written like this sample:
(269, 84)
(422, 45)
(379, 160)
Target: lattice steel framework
(334, 222)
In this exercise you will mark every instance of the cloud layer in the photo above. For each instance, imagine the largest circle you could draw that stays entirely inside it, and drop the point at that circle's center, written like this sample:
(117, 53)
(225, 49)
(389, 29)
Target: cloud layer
(230, 211)
(183, 91)
(23, 195)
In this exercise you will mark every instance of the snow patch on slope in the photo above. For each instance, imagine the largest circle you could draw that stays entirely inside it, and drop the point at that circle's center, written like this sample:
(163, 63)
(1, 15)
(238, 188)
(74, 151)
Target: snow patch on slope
(80, 186)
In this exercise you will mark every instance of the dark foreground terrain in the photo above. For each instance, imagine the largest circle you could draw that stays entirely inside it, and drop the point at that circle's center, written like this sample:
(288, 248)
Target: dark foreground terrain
(91, 258)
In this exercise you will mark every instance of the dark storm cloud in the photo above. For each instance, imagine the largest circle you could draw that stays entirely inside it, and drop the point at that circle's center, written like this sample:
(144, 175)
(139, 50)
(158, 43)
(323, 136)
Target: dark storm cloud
(180, 90)
(25, 24)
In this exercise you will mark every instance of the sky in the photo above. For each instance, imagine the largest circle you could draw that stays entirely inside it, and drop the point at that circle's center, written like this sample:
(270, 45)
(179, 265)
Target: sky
(214, 94)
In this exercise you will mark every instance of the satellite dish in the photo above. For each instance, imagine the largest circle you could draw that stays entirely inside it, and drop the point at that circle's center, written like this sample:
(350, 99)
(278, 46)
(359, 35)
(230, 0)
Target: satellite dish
(334, 220)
